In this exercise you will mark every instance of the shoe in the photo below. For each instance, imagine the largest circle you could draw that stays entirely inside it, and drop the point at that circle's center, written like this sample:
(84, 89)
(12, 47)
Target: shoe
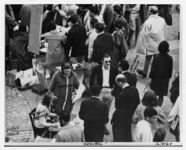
(106, 131)
(140, 72)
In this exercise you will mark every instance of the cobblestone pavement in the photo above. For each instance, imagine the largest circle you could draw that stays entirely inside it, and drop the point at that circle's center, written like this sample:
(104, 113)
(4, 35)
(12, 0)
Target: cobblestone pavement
(17, 123)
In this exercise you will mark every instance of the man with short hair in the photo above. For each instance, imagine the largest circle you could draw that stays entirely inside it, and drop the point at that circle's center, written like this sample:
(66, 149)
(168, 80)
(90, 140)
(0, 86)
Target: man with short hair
(153, 31)
(102, 44)
(143, 127)
(131, 77)
(94, 112)
(70, 131)
(76, 39)
(125, 104)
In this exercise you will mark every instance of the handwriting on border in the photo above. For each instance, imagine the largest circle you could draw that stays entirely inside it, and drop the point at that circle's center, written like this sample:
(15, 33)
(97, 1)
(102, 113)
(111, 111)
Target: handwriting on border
(163, 144)
(92, 144)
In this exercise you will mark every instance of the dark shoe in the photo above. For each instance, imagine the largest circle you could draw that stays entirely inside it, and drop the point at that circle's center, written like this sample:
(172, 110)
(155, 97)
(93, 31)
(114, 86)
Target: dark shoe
(106, 131)
(140, 72)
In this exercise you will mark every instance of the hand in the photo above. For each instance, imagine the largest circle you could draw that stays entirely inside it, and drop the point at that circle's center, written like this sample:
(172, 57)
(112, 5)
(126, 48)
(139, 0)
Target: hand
(16, 28)
(56, 125)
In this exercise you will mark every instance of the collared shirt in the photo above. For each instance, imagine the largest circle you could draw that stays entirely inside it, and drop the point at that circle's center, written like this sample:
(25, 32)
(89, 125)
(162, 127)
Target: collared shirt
(106, 76)
(126, 85)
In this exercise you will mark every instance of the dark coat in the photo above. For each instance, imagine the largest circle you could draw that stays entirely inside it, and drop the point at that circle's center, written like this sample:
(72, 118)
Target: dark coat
(102, 44)
(63, 89)
(95, 115)
(10, 23)
(131, 79)
(161, 72)
(76, 39)
(125, 103)
(96, 77)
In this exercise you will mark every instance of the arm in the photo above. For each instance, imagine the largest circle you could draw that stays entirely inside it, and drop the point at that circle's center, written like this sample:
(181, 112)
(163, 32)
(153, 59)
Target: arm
(171, 67)
(53, 82)
(82, 111)
(105, 115)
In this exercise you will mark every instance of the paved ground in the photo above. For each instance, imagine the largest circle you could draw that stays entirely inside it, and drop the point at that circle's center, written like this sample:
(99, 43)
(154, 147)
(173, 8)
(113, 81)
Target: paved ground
(18, 104)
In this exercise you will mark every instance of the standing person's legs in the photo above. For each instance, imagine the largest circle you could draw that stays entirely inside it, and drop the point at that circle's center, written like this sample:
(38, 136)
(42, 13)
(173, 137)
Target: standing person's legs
(147, 64)
(107, 98)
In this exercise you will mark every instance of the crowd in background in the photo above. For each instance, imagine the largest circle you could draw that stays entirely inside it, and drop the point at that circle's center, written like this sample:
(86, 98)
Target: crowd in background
(101, 35)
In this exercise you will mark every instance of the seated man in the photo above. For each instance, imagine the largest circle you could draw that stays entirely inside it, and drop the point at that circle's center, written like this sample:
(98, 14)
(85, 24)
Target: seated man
(143, 128)
(70, 132)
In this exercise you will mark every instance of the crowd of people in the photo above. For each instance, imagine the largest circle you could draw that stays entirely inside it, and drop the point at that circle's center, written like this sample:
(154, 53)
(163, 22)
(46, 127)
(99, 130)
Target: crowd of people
(100, 35)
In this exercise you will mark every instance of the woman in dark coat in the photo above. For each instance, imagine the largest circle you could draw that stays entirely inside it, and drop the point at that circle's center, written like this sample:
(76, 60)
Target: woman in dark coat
(161, 71)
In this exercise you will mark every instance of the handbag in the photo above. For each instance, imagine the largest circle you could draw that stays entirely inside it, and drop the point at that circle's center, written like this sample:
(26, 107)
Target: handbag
(174, 125)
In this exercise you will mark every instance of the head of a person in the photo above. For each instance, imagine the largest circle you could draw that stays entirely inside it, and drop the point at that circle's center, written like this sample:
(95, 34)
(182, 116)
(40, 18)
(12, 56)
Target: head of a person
(153, 10)
(150, 115)
(163, 47)
(52, 25)
(66, 68)
(121, 80)
(118, 23)
(93, 21)
(49, 7)
(93, 11)
(106, 61)
(99, 27)
(123, 66)
(95, 90)
(117, 9)
(159, 135)
(64, 119)
(73, 19)
(150, 99)
(47, 100)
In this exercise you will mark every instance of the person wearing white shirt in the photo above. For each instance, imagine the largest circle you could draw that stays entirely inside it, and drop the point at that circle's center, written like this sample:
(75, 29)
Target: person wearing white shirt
(143, 127)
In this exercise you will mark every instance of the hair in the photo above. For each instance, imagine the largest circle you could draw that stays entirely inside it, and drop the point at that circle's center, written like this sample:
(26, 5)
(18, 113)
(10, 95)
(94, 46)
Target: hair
(93, 9)
(49, 7)
(117, 9)
(93, 21)
(124, 65)
(99, 27)
(118, 23)
(52, 25)
(150, 112)
(163, 47)
(106, 55)
(64, 117)
(64, 63)
(121, 78)
(159, 135)
(153, 9)
(46, 100)
(95, 90)
(150, 99)
(73, 19)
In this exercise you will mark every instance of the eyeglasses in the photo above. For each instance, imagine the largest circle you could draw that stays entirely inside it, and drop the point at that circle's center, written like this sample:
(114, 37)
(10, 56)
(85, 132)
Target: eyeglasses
(107, 62)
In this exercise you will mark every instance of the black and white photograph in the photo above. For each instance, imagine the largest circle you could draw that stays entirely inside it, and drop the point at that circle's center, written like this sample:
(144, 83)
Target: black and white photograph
(92, 74)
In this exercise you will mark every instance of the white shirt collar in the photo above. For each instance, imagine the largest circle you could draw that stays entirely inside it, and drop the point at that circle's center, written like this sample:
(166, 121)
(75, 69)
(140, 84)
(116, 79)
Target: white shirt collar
(126, 85)
(104, 68)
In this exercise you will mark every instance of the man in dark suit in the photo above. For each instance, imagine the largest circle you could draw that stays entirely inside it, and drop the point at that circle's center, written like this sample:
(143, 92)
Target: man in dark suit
(125, 104)
(94, 112)
(76, 39)
(104, 76)
(102, 44)
(130, 77)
